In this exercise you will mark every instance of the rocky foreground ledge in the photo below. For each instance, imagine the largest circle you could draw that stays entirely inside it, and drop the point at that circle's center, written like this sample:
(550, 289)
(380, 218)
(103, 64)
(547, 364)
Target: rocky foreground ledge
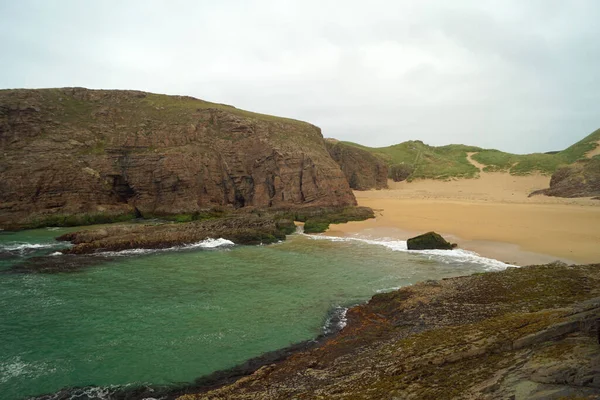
(523, 333)
(250, 228)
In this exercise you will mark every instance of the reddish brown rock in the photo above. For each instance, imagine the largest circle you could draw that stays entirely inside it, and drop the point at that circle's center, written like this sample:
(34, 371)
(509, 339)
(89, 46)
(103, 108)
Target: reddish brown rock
(362, 169)
(73, 151)
(580, 179)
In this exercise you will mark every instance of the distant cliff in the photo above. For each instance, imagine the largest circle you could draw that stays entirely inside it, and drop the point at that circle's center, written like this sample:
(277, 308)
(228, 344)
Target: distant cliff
(363, 170)
(75, 151)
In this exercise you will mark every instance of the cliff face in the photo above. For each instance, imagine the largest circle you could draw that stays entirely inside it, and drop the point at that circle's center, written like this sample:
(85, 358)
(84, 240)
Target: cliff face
(73, 150)
(580, 179)
(362, 169)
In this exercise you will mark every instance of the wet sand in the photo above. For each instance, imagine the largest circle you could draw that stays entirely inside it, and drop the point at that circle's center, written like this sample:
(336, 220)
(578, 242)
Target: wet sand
(491, 215)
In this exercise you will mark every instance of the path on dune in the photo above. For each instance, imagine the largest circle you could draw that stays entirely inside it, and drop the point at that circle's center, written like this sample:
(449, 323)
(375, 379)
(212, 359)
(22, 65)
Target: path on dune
(474, 163)
(594, 152)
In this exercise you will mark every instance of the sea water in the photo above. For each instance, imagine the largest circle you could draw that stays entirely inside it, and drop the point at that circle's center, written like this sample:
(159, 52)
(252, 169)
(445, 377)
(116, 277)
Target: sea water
(143, 317)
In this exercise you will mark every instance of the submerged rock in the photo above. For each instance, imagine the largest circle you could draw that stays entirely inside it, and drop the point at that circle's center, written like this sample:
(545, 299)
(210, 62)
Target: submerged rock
(429, 241)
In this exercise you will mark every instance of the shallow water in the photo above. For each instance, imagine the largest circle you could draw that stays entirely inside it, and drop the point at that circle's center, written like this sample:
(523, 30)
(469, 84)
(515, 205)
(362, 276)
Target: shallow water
(171, 316)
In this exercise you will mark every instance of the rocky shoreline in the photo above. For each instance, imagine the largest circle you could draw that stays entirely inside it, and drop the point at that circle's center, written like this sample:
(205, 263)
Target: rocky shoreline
(249, 228)
(523, 333)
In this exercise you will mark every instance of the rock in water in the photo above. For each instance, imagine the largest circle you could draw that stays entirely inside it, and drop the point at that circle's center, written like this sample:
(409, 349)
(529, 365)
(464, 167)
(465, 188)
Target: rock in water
(429, 241)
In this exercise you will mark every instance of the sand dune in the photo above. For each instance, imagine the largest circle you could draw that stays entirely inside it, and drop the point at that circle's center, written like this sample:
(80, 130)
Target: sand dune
(491, 215)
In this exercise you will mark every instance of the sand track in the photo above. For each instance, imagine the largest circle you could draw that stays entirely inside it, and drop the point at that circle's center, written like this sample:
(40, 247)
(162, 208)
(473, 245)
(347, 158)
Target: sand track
(474, 163)
(594, 152)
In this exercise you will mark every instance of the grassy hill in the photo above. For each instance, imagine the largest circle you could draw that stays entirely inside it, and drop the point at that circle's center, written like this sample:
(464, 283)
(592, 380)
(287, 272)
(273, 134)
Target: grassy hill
(447, 162)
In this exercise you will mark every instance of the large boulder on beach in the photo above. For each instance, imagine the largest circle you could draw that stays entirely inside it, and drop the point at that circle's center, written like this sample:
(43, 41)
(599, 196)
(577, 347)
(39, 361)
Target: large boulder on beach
(429, 241)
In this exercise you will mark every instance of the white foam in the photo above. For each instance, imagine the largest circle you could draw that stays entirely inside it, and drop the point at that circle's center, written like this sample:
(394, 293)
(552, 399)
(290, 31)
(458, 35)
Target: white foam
(20, 246)
(204, 244)
(339, 316)
(56, 253)
(15, 368)
(211, 243)
(444, 256)
(390, 289)
(343, 320)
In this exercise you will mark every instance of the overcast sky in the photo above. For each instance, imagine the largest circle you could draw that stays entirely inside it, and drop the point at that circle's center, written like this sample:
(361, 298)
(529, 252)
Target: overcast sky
(521, 76)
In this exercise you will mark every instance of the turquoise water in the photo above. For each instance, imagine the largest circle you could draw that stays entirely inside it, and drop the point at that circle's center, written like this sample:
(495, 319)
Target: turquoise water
(169, 317)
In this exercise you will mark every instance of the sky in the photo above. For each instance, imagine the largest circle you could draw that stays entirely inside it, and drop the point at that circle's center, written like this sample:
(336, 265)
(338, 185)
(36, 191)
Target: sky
(520, 76)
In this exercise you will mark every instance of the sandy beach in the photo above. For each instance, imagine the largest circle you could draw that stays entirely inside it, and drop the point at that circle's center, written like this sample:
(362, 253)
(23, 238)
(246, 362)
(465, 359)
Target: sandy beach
(491, 215)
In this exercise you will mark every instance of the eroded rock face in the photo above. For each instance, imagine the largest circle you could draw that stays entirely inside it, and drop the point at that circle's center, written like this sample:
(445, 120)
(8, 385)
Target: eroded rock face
(72, 150)
(362, 169)
(581, 179)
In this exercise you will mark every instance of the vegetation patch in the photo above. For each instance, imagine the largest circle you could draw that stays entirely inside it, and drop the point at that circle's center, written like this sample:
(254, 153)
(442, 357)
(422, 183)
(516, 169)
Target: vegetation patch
(450, 162)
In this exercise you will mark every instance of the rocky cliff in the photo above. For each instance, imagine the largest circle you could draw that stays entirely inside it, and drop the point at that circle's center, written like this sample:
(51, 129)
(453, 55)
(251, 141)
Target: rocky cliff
(362, 169)
(104, 154)
(580, 179)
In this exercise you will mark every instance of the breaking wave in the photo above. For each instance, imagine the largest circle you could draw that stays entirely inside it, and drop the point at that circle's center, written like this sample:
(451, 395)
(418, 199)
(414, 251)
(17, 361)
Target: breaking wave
(204, 244)
(443, 256)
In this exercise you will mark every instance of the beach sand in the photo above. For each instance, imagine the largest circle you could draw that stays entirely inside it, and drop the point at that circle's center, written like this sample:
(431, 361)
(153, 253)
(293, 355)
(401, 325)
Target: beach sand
(491, 215)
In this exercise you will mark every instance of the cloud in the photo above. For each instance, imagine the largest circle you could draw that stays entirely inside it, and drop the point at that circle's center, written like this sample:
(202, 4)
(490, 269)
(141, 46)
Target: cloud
(519, 76)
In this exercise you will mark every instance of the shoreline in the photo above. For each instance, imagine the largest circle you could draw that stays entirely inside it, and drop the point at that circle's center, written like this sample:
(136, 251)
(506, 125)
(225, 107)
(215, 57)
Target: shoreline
(491, 215)
(459, 342)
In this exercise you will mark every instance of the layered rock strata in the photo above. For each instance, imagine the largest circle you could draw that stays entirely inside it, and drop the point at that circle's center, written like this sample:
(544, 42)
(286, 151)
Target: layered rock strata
(362, 169)
(73, 155)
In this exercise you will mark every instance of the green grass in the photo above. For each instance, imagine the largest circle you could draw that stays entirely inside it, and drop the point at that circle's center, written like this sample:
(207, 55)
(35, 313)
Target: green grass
(429, 162)
(450, 162)
(579, 149)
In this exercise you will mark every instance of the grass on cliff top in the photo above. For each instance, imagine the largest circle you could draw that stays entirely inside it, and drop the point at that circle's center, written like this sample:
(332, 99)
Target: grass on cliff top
(447, 162)
(121, 115)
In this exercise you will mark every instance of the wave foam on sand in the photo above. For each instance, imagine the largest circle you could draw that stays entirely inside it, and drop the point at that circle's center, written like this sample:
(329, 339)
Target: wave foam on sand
(444, 256)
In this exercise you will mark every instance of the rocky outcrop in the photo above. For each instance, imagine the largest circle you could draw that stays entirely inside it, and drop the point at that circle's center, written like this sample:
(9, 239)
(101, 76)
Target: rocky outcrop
(240, 229)
(78, 154)
(523, 333)
(429, 241)
(362, 169)
(251, 228)
(581, 179)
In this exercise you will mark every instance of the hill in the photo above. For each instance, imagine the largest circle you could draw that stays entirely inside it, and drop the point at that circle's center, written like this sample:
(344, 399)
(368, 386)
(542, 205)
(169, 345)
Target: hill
(447, 162)
(73, 156)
